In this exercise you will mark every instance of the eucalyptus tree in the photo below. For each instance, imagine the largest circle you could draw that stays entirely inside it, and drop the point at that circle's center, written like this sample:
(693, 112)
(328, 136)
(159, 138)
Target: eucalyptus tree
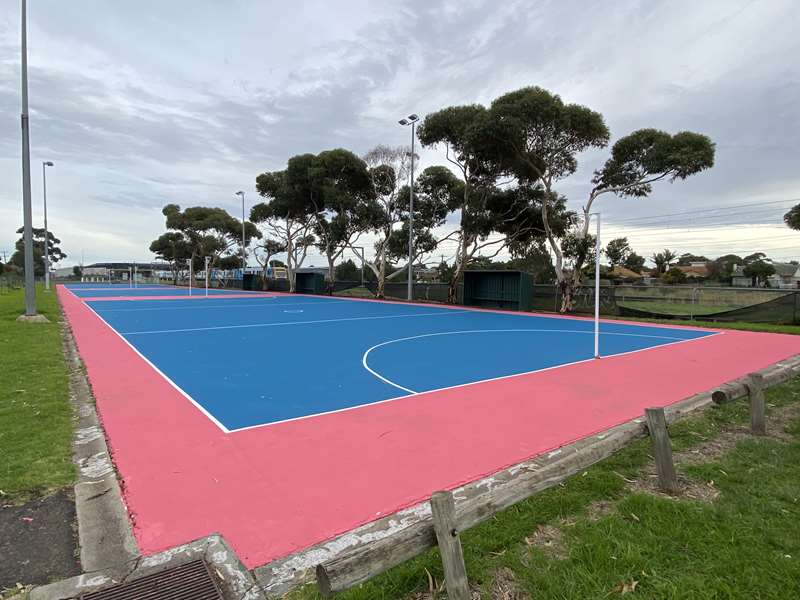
(263, 252)
(792, 218)
(617, 251)
(287, 215)
(208, 232)
(389, 169)
(173, 248)
(343, 196)
(54, 251)
(537, 137)
(492, 214)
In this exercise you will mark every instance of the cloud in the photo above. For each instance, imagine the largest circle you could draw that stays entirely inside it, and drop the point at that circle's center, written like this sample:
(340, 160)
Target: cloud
(186, 102)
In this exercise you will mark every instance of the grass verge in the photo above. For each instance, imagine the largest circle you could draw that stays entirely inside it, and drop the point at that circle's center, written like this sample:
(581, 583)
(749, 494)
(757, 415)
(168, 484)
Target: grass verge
(558, 544)
(356, 292)
(35, 412)
(762, 327)
(677, 308)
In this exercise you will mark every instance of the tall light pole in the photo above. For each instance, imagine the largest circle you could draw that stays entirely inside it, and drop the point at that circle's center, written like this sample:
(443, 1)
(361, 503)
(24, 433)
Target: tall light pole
(411, 120)
(45, 164)
(244, 252)
(30, 290)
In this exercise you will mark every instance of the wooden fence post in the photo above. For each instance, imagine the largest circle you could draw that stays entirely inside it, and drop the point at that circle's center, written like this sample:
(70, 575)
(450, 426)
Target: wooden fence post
(755, 388)
(444, 524)
(662, 450)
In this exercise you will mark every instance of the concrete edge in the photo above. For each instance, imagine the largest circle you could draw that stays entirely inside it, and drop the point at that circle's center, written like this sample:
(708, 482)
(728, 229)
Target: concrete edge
(235, 581)
(109, 554)
(105, 536)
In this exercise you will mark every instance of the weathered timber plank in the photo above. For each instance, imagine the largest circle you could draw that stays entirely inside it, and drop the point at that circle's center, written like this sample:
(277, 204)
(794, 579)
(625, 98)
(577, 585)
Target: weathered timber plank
(662, 449)
(758, 420)
(382, 544)
(444, 524)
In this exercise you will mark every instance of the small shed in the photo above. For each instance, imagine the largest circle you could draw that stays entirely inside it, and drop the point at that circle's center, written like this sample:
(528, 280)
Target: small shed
(309, 282)
(511, 290)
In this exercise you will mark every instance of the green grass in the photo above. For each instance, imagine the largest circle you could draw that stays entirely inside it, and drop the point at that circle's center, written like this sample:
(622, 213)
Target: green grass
(356, 292)
(677, 308)
(35, 412)
(746, 544)
(761, 327)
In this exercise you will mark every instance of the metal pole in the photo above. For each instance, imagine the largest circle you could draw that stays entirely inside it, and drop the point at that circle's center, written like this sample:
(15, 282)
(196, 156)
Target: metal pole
(191, 275)
(207, 274)
(244, 253)
(135, 275)
(411, 222)
(597, 291)
(130, 277)
(30, 290)
(46, 236)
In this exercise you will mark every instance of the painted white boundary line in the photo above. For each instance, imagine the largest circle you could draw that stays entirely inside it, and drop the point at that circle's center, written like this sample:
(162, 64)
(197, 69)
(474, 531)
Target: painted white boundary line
(443, 311)
(365, 362)
(460, 385)
(156, 369)
(201, 306)
(160, 331)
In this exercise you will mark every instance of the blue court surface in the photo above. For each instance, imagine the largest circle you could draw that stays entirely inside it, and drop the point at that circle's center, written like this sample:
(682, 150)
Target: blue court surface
(260, 360)
(113, 290)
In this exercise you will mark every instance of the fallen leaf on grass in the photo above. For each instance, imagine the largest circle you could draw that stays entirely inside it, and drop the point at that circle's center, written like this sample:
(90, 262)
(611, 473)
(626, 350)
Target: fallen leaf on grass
(28, 519)
(626, 587)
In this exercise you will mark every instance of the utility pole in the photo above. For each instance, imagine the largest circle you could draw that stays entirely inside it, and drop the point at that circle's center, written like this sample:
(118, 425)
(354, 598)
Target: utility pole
(30, 289)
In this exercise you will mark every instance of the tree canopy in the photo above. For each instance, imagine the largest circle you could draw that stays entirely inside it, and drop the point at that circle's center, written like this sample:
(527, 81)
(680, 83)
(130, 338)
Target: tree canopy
(54, 251)
(202, 232)
(792, 218)
(533, 135)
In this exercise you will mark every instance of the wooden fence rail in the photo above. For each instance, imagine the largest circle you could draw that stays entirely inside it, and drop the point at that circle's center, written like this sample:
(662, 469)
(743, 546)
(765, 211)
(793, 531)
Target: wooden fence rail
(478, 501)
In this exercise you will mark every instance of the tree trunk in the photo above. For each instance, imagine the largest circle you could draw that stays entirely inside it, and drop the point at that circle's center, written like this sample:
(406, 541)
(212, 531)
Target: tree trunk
(290, 262)
(265, 268)
(381, 277)
(331, 274)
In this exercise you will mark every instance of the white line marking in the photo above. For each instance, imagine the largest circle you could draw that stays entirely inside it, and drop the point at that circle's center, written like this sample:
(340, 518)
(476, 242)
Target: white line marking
(365, 362)
(156, 369)
(368, 405)
(460, 385)
(199, 305)
(436, 314)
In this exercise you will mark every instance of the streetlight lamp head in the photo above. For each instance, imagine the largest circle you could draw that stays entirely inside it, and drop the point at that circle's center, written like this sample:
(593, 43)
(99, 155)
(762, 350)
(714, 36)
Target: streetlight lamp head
(48, 163)
(403, 122)
(413, 118)
(240, 193)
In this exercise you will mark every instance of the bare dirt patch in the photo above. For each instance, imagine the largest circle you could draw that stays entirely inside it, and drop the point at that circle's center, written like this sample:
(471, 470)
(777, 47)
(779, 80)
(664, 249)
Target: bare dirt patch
(38, 541)
(599, 509)
(549, 539)
(778, 420)
(505, 586)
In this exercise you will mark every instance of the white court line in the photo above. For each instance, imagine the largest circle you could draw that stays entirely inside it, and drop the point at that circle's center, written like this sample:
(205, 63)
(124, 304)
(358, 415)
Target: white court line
(436, 314)
(200, 306)
(369, 404)
(365, 362)
(156, 369)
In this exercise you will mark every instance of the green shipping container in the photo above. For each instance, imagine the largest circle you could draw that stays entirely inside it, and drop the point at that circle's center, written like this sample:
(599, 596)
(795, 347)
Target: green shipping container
(510, 290)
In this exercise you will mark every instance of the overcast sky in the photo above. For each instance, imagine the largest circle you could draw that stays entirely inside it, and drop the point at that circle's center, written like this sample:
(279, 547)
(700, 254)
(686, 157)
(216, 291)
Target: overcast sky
(144, 103)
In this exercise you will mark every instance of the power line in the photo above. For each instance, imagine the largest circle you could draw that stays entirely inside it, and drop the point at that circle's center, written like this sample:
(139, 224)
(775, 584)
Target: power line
(709, 209)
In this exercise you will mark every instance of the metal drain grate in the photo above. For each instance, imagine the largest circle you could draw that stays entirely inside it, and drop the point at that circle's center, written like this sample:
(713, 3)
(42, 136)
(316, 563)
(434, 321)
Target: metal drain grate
(190, 581)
